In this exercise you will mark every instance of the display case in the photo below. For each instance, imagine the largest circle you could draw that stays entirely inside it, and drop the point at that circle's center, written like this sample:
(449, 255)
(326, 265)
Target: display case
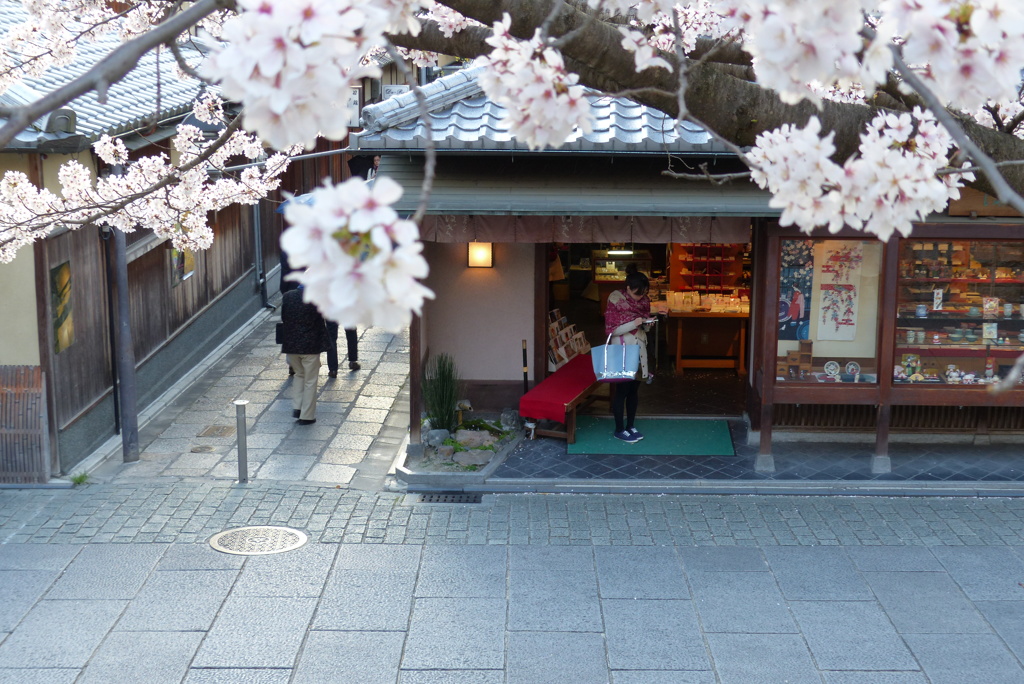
(609, 269)
(959, 311)
(710, 268)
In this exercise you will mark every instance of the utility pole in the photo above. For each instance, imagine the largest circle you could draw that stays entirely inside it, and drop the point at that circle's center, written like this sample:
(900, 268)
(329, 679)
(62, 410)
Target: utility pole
(125, 355)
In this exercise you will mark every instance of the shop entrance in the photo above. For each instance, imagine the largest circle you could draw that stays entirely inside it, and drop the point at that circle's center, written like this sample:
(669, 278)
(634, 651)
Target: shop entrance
(591, 274)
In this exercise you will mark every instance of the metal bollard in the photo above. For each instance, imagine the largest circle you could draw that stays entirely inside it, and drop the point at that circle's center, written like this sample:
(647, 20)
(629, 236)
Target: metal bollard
(243, 455)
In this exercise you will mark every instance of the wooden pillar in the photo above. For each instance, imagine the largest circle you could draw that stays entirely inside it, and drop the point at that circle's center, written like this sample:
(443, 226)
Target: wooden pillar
(768, 316)
(415, 378)
(880, 462)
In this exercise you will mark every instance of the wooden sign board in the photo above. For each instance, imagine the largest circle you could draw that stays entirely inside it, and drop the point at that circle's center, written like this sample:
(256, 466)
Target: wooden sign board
(976, 203)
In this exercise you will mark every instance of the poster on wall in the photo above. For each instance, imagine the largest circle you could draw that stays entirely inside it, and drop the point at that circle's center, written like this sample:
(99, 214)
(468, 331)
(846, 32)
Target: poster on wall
(839, 281)
(60, 303)
(795, 289)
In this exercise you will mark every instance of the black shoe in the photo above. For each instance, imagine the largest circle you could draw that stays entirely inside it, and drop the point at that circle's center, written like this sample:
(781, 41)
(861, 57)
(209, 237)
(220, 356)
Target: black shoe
(305, 422)
(354, 365)
(332, 374)
(291, 371)
(296, 413)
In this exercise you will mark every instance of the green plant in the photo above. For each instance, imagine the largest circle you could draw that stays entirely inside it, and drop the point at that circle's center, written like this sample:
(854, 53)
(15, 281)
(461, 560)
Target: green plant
(481, 424)
(80, 478)
(441, 386)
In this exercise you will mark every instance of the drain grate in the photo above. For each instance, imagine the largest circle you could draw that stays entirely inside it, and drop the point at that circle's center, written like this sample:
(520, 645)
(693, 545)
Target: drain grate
(451, 497)
(258, 541)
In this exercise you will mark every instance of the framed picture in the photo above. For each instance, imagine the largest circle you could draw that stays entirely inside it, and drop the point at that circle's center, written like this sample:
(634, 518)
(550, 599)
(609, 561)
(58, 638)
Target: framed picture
(990, 331)
(990, 307)
(60, 303)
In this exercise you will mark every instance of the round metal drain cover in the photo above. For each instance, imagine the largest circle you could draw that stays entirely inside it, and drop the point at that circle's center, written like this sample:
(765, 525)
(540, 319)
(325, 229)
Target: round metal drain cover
(258, 541)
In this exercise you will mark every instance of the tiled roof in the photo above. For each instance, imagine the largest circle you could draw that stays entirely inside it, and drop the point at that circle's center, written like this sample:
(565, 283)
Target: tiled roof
(151, 91)
(463, 119)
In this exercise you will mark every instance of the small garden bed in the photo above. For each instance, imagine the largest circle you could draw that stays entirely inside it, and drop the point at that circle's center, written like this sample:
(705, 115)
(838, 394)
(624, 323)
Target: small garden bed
(467, 456)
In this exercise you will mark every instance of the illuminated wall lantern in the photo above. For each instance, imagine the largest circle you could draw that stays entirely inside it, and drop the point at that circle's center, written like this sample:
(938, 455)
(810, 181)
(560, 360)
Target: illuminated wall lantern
(481, 255)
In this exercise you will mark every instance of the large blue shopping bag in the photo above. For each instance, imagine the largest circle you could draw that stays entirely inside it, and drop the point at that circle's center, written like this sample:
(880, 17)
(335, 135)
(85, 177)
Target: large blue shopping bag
(615, 362)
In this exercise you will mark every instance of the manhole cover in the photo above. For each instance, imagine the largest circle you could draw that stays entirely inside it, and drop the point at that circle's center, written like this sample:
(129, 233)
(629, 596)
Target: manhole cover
(451, 497)
(217, 431)
(204, 449)
(258, 541)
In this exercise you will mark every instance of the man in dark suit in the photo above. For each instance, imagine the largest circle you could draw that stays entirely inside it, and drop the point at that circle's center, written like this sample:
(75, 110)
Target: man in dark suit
(303, 338)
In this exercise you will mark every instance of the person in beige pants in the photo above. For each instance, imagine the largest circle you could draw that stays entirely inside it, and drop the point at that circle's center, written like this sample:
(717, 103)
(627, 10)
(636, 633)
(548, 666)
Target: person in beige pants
(303, 338)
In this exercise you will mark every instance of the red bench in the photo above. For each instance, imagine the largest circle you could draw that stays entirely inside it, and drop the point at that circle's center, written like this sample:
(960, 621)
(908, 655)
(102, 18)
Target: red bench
(558, 396)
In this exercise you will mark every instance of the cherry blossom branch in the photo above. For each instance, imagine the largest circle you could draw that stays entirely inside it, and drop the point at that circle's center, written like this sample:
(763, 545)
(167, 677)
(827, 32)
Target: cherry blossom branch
(1012, 378)
(714, 178)
(110, 69)
(430, 163)
(988, 166)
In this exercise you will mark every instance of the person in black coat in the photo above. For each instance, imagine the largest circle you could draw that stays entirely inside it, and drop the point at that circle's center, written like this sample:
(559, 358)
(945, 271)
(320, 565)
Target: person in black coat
(303, 338)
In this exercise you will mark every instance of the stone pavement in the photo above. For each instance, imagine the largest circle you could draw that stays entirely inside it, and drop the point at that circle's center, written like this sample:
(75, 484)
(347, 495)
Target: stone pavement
(190, 434)
(520, 588)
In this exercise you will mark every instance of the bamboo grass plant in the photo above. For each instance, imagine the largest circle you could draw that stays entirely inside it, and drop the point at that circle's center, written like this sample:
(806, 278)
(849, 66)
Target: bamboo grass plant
(441, 387)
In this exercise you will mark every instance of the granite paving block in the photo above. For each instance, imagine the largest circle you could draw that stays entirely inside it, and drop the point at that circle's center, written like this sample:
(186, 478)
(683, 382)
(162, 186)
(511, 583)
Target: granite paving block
(816, 573)
(107, 571)
(740, 602)
(296, 574)
(462, 572)
(663, 677)
(383, 557)
(350, 442)
(452, 677)
(48, 675)
(893, 559)
(762, 659)
(285, 467)
(640, 572)
(925, 603)
(1007, 619)
(37, 556)
(851, 635)
(723, 558)
(966, 658)
(350, 658)
(874, 678)
(555, 600)
(19, 591)
(653, 635)
(985, 573)
(458, 633)
(51, 622)
(334, 474)
(197, 557)
(366, 600)
(142, 658)
(178, 600)
(256, 632)
(238, 676)
(551, 558)
(556, 658)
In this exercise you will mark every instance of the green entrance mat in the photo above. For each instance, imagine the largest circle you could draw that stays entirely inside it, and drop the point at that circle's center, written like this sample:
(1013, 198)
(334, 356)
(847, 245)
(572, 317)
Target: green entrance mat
(662, 437)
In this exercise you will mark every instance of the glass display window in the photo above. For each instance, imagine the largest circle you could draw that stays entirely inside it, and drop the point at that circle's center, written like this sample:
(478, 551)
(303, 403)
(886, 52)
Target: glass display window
(828, 311)
(960, 308)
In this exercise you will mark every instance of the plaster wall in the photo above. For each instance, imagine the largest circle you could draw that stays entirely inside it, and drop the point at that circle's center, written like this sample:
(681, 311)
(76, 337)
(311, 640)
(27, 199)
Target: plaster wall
(19, 341)
(481, 315)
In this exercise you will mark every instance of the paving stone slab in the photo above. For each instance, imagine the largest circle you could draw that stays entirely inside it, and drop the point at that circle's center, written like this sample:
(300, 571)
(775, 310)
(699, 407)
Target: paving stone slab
(142, 658)
(256, 632)
(634, 572)
(762, 659)
(727, 559)
(748, 602)
(851, 635)
(817, 573)
(663, 677)
(350, 658)
(19, 591)
(894, 559)
(989, 573)
(452, 677)
(107, 571)
(556, 658)
(366, 600)
(385, 557)
(162, 605)
(1007, 619)
(238, 676)
(48, 675)
(653, 635)
(967, 658)
(874, 678)
(331, 473)
(464, 634)
(462, 572)
(51, 622)
(553, 599)
(925, 603)
(295, 574)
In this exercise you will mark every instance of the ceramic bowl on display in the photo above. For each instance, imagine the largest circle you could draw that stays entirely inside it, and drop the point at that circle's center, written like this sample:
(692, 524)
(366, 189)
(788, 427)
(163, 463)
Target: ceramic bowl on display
(974, 312)
(831, 368)
(853, 368)
(956, 335)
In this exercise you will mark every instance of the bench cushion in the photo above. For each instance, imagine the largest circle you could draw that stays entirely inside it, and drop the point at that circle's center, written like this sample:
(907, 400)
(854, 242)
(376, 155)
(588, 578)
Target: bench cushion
(549, 399)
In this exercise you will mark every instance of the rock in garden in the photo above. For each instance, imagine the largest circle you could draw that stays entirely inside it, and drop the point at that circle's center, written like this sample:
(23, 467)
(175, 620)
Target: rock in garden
(435, 438)
(445, 451)
(471, 439)
(473, 457)
(510, 419)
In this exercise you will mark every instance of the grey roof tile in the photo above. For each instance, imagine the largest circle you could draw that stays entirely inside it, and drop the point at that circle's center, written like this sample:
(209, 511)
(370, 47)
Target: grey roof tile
(464, 119)
(150, 91)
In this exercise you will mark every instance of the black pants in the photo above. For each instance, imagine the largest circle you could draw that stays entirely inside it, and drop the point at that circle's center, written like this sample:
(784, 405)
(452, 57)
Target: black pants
(626, 399)
(352, 340)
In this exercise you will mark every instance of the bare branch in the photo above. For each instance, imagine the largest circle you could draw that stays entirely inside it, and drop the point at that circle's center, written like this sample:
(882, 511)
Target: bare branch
(714, 178)
(430, 163)
(182, 62)
(110, 69)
